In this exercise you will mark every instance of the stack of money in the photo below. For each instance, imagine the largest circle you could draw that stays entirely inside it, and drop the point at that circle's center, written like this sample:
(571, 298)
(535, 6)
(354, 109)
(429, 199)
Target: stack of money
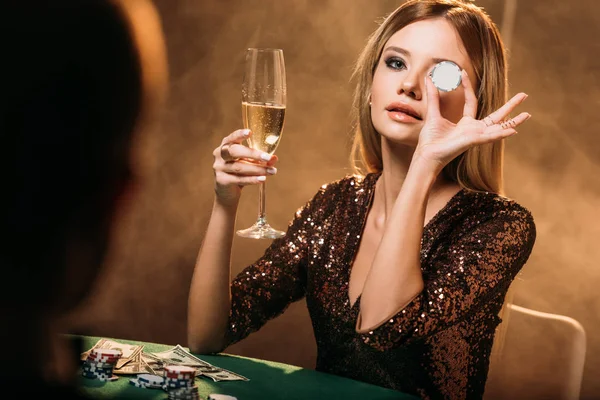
(100, 363)
(180, 356)
(128, 352)
(135, 361)
(131, 361)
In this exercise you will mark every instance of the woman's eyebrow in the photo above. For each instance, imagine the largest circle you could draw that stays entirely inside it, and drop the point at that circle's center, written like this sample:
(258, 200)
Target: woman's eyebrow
(407, 53)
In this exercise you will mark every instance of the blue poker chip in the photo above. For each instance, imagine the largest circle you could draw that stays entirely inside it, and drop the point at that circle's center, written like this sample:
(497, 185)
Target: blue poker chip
(153, 380)
(98, 370)
(99, 364)
(137, 383)
(187, 396)
(178, 380)
(99, 376)
(178, 383)
(184, 391)
(107, 370)
(97, 373)
(109, 378)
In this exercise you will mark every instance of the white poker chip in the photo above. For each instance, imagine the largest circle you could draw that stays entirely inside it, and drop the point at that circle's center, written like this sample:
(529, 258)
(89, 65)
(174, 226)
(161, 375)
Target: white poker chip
(446, 76)
(107, 352)
(217, 396)
(151, 379)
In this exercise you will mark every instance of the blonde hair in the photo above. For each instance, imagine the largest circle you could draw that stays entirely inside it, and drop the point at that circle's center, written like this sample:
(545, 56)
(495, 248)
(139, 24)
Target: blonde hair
(480, 168)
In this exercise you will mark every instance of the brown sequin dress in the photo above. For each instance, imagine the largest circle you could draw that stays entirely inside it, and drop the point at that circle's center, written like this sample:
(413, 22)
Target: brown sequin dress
(438, 346)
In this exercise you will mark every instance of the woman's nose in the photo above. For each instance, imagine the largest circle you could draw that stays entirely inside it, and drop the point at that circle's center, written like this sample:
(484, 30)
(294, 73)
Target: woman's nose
(411, 86)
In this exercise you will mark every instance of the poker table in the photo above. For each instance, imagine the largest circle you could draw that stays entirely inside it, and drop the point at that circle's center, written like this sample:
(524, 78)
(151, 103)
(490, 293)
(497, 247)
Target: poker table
(268, 380)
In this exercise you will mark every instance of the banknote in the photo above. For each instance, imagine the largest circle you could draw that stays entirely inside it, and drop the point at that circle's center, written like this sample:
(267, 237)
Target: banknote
(224, 375)
(135, 366)
(180, 356)
(129, 351)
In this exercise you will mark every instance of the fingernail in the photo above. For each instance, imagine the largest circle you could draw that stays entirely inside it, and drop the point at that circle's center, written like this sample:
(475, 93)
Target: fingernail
(272, 170)
(265, 156)
(261, 178)
(528, 116)
(246, 132)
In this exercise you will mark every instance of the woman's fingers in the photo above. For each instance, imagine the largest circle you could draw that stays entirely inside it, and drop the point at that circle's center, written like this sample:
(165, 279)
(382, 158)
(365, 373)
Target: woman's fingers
(500, 114)
(239, 151)
(502, 129)
(232, 149)
(236, 136)
(244, 168)
(225, 179)
(470, 109)
(513, 123)
(433, 98)
(272, 161)
(236, 165)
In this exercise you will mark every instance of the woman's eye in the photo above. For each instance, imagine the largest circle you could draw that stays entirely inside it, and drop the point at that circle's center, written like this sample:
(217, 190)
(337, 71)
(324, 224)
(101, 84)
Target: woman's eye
(395, 63)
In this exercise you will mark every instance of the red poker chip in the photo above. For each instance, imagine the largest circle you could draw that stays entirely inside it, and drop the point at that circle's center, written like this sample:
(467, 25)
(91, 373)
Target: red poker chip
(101, 361)
(180, 369)
(97, 356)
(106, 352)
(180, 376)
(101, 356)
(105, 359)
(100, 365)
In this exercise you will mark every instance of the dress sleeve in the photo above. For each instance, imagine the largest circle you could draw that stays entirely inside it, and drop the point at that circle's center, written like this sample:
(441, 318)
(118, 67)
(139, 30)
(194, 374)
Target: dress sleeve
(481, 264)
(263, 290)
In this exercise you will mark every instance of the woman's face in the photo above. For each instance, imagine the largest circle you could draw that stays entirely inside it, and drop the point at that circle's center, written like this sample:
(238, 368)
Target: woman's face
(399, 79)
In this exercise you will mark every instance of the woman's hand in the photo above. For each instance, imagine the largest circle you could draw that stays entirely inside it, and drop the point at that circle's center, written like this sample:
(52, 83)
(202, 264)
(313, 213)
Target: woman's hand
(237, 166)
(440, 140)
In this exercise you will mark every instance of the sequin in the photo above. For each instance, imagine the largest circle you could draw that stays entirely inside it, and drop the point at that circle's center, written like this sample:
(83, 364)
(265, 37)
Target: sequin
(438, 346)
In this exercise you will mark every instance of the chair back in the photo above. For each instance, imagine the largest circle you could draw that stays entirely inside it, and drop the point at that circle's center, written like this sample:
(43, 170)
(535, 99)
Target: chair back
(539, 356)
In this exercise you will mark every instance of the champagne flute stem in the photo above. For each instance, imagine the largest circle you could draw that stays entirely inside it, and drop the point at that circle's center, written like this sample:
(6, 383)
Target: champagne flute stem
(262, 218)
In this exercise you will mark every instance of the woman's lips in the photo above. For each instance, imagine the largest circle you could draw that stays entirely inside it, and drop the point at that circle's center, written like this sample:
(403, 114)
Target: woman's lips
(400, 116)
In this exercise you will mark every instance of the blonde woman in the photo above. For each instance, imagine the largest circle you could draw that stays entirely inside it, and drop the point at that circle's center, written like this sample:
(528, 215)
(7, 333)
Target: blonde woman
(404, 265)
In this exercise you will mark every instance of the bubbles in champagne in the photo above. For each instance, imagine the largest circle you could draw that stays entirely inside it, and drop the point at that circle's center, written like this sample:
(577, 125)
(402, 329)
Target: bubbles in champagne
(265, 120)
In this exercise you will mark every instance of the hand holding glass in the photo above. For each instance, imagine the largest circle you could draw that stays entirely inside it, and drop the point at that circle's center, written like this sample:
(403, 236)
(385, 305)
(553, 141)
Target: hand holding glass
(263, 112)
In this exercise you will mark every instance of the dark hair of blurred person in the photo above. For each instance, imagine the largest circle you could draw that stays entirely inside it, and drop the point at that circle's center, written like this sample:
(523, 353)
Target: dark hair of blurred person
(79, 80)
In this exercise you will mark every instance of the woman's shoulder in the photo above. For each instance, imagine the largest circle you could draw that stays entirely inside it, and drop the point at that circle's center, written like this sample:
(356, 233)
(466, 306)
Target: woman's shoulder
(350, 183)
(498, 205)
(336, 193)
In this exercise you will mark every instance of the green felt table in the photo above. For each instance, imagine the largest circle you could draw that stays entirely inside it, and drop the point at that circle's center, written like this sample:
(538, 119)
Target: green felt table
(268, 380)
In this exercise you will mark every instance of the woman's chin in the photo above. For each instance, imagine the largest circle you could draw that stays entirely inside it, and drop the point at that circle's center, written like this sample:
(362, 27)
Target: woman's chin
(405, 137)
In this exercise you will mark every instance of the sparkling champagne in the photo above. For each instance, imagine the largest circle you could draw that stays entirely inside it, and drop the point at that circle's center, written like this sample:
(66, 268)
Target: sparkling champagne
(265, 120)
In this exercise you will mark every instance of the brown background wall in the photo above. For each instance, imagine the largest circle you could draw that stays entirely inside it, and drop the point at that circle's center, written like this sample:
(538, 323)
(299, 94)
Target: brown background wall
(552, 167)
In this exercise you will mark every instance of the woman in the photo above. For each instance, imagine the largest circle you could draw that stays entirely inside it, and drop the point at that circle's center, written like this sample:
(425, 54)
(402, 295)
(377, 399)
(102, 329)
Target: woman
(404, 268)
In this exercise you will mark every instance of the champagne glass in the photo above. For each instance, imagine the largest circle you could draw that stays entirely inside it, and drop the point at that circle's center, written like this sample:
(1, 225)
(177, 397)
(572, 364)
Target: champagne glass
(263, 112)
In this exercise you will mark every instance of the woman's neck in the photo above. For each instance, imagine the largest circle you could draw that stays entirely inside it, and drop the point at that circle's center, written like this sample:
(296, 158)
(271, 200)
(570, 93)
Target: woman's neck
(396, 165)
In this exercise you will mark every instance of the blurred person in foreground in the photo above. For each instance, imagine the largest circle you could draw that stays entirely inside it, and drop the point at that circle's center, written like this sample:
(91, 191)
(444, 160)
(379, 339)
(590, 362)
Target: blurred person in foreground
(80, 80)
(406, 263)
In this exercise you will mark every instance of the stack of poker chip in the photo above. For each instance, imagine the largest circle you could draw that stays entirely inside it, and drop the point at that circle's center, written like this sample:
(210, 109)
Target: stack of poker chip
(148, 381)
(179, 383)
(100, 363)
